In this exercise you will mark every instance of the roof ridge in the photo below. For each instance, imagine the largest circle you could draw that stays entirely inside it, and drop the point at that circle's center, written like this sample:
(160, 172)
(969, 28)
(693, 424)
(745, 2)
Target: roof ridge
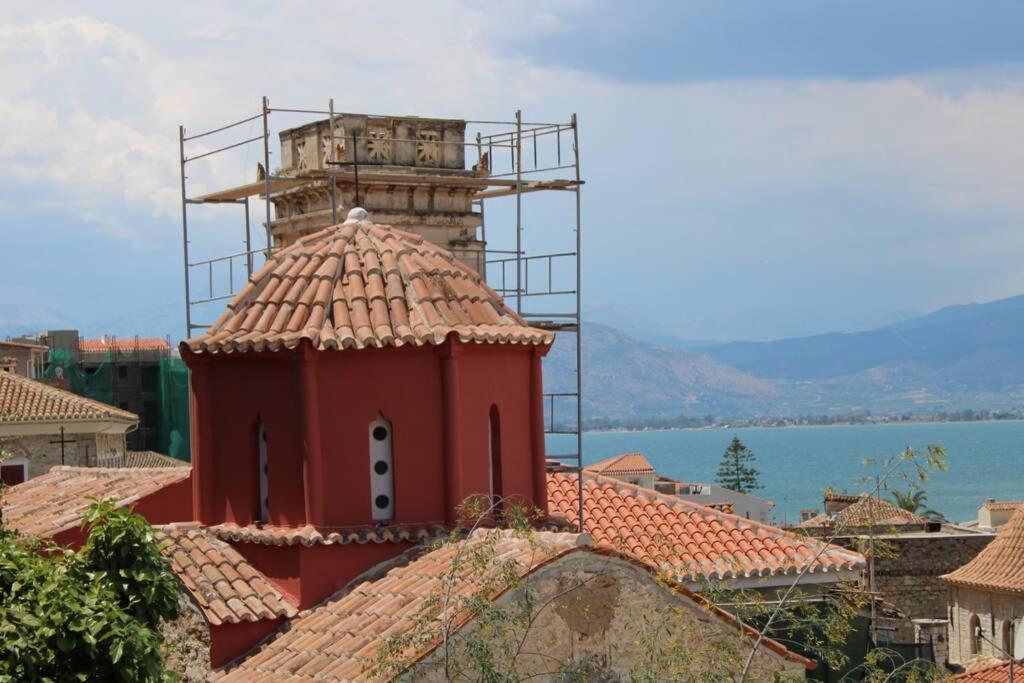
(47, 391)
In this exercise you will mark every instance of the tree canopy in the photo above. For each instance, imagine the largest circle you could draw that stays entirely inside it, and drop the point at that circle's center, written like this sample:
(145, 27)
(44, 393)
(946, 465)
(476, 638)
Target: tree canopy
(90, 615)
(736, 471)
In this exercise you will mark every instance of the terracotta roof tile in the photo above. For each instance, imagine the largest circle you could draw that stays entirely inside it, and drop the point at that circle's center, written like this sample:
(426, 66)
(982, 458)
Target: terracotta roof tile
(1003, 505)
(1000, 565)
(694, 540)
(309, 535)
(56, 501)
(993, 673)
(358, 285)
(151, 459)
(864, 511)
(339, 639)
(211, 571)
(124, 345)
(24, 400)
(627, 463)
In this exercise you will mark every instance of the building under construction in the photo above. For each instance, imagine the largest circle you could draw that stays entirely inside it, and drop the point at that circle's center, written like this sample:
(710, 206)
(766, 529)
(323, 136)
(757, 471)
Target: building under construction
(475, 187)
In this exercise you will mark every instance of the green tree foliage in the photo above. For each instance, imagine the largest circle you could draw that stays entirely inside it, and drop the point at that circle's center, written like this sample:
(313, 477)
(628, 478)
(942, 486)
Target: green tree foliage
(915, 500)
(736, 471)
(89, 615)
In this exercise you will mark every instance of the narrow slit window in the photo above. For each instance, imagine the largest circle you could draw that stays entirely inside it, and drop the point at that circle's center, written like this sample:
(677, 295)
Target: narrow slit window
(263, 478)
(494, 456)
(382, 478)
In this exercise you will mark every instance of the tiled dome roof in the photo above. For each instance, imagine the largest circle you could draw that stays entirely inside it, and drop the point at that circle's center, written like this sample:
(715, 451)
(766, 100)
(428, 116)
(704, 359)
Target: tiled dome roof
(358, 285)
(1000, 565)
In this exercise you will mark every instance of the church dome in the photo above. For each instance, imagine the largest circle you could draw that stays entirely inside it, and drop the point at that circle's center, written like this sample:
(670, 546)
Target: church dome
(358, 285)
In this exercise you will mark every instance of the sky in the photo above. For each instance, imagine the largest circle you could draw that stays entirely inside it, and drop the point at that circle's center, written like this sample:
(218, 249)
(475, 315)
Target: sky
(754, 170)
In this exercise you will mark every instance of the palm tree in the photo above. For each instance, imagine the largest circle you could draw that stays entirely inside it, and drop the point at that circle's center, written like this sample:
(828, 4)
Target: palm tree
(914, 500)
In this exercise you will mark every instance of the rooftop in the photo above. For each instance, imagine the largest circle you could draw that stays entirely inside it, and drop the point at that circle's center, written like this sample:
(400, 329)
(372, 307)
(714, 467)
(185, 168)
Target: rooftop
(57, 501)
(151, 459)
(864, 511)
(340, 639)
(123, 345)
(696, 541)
(1000, 566)
(222, 582)
(627, 463)
(25, 401)
(1002, 505)
(993, 673)
(358, 285)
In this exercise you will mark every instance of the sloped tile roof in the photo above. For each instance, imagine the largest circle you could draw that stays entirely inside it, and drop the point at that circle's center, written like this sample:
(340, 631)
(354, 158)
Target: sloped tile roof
(151, 459)
(993, 673)
(1003, 505)
(1000, 565)
(340, 639)
(309, 535)
(225, 586)
(57, 501)
(124, 344)
(627, 463)
(866, 511)
(694, 540)
(26, 401)
(358, 285)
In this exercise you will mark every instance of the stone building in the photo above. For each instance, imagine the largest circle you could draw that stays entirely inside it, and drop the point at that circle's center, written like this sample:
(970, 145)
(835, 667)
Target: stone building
(24, 357)
(412, 175)
(986, 598)
(42, 426)
(911, 553)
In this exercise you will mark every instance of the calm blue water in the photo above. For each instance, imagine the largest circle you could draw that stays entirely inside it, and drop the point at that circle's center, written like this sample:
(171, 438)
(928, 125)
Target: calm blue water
(986, 459)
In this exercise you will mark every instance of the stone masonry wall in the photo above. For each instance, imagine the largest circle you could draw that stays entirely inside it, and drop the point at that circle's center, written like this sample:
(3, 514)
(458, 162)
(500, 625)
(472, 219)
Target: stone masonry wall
(993, 611)
(81, 451)
(907, 574)
(611, 621)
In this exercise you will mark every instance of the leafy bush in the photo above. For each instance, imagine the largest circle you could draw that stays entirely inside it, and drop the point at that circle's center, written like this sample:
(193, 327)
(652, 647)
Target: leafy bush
(87, 615)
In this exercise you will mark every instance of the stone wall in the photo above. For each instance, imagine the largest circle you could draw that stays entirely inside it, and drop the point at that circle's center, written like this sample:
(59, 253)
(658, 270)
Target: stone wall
(908, 568)
(611, 620)
(80, 451)
(186, 646)
(993, 612)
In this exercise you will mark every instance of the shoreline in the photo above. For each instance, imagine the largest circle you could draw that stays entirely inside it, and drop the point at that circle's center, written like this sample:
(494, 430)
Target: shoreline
(625, 430)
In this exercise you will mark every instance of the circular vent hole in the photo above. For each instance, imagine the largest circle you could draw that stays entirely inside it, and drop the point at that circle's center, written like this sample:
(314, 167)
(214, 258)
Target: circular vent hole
(382, 502)
(380, 467)
(380, 433)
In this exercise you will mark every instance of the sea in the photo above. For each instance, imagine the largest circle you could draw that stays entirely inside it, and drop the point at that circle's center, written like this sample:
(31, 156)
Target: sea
(797, 464)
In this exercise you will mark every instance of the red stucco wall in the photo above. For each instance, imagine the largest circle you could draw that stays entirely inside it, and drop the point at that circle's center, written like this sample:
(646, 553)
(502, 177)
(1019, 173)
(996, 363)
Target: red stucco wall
(317, 407)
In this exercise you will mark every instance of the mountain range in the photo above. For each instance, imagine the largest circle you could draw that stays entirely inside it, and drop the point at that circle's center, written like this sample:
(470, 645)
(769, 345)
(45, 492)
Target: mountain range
(968, 356)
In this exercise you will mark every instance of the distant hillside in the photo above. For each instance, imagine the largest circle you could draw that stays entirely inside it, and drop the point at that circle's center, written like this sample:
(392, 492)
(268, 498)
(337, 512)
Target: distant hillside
(958, 357)
(625, 377)
(979, 346)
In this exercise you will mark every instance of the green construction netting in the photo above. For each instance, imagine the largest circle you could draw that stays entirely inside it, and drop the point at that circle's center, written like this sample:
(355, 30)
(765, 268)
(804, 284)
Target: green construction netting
(164, 383)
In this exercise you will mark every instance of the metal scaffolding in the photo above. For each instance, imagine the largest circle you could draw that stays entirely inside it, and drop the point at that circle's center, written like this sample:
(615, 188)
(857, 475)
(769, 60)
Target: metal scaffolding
(537, 270)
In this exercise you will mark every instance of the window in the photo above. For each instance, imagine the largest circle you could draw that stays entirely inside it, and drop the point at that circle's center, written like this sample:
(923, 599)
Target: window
(1007, 639)
(14, 471)
(974, 628)
(263, 480)
(122, 372)
(494, 456)
(382, 479)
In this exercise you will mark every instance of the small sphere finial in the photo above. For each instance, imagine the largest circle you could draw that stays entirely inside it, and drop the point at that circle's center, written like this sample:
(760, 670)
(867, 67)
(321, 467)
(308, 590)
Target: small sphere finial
(358, 215)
